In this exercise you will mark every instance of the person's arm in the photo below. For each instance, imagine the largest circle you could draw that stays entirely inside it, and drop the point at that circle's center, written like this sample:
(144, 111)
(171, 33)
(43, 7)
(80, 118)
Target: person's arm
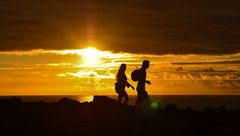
(148, 82)
(129, 85)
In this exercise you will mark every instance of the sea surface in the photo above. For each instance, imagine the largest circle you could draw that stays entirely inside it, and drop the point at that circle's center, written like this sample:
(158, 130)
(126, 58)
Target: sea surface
(197, 102)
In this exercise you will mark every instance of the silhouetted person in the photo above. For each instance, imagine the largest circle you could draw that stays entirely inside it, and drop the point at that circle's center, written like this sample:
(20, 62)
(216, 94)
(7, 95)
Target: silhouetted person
(142, 95)
(121, 84)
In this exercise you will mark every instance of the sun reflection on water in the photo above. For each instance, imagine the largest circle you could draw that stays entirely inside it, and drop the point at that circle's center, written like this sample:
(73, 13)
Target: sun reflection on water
(85, 98)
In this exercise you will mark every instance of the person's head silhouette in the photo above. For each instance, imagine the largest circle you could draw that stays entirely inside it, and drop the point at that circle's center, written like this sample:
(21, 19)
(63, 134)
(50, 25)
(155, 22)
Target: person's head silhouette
(145, 64)
(121, 71)
(123, 67)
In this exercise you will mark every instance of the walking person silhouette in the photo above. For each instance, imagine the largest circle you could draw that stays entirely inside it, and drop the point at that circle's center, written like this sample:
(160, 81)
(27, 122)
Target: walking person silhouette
(121, 84)
(142, 95)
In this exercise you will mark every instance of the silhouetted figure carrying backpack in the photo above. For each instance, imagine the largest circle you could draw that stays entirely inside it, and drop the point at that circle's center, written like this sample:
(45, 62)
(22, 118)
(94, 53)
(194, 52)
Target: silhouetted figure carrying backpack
(121, 84)
(142, 95)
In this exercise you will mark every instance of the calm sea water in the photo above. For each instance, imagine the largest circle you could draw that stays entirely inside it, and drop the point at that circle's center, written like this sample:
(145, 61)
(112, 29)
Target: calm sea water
(182, 101)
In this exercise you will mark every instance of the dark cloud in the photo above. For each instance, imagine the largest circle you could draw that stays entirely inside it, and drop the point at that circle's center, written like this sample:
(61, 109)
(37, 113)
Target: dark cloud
(201, 63)
(153, 26)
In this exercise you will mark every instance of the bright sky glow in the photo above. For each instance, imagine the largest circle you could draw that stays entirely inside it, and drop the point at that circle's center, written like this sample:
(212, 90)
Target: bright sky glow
(90, 71)
(90, 55)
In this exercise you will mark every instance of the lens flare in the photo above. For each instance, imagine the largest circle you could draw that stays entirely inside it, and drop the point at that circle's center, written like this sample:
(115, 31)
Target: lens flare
(155, 105)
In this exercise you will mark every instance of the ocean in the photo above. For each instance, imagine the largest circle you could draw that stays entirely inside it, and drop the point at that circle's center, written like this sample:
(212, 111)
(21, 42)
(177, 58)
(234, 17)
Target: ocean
(197, 102)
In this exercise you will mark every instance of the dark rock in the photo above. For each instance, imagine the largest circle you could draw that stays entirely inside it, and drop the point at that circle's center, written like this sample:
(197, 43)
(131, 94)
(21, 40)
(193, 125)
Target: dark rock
(12, 101)
(67, 101)
(103, 100)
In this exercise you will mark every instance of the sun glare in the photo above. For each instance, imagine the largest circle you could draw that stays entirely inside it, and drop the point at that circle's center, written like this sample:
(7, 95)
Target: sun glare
(90, 55)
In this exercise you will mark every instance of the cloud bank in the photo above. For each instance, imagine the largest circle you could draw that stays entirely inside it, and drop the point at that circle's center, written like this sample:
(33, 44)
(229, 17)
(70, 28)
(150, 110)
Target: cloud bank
(137, 26)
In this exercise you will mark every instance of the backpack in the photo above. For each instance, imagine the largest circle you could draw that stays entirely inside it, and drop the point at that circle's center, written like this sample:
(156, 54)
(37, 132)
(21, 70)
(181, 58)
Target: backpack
(135, 75)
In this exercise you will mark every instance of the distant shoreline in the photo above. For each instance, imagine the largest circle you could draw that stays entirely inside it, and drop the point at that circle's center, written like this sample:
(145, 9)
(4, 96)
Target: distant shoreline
(197, 102)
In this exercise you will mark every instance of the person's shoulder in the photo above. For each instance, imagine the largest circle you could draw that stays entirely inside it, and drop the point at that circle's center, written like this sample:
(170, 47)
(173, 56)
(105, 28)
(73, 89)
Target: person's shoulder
(142, 70)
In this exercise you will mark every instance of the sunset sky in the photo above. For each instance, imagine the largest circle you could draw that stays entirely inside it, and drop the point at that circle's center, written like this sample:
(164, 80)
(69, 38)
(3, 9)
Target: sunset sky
(68, 47)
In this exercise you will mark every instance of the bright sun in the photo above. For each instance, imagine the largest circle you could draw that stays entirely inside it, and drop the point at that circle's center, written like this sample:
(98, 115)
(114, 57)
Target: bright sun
(91, 55)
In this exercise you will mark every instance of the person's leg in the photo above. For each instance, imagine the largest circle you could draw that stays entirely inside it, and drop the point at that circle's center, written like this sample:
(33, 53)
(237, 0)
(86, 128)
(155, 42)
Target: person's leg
(145, 100)
(125, 95)
(119, 98)
(140, 101)
(146, 96)
(137, 103)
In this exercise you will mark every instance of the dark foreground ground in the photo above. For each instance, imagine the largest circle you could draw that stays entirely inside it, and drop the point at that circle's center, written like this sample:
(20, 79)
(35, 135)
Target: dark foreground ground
(103, 117)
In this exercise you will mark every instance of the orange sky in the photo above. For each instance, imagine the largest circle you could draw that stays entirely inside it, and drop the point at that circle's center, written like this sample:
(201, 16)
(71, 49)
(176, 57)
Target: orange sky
(90, 71)
(193, 46)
